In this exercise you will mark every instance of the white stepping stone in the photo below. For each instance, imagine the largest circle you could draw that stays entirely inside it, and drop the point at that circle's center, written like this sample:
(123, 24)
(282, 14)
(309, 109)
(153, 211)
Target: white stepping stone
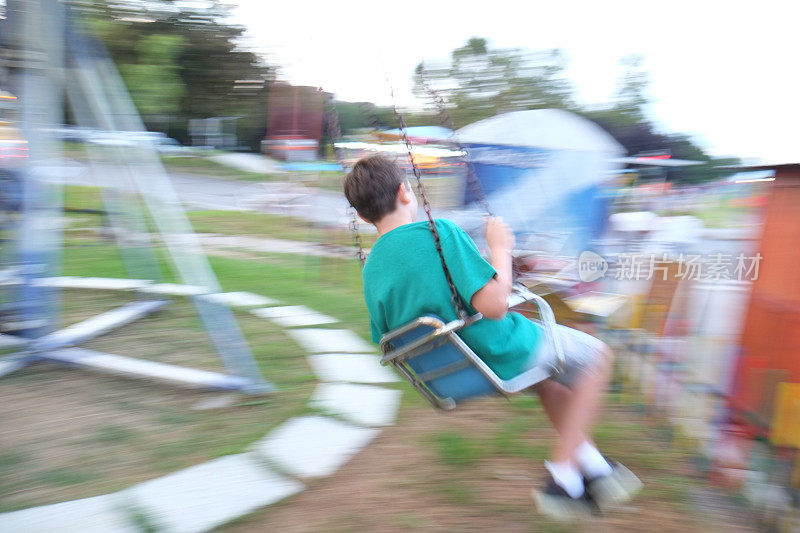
(10, 281)
(240, 299)
(313, 446)
(364, 405)
(11, 341)
(11, 365)
(354, 368)
(330, 341)
(205, 496)
(290, 316)
(176, 289)
(72, 282)
(99, 514)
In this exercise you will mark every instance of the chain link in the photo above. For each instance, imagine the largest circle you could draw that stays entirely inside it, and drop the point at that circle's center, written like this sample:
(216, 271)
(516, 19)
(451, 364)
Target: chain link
(335, 133)
(362, 256)
(455, 299)
(445, 119)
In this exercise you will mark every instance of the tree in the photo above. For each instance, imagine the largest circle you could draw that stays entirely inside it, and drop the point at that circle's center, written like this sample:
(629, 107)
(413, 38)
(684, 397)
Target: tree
(631, 95)
(182, 60)
(158, 84)
(480, 82)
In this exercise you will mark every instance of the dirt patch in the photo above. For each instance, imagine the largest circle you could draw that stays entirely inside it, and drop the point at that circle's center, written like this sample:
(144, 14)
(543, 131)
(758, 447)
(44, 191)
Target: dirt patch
(420, 476)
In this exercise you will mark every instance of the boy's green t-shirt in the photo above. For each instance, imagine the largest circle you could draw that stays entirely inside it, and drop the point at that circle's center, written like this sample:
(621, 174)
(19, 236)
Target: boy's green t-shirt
(404, 279)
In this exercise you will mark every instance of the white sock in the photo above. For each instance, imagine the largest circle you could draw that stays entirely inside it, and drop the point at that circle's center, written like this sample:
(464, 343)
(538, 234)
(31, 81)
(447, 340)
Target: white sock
(567, 476)
(591, 461)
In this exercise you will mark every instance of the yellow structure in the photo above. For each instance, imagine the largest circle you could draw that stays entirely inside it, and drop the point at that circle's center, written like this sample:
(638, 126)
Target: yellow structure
(785, 428)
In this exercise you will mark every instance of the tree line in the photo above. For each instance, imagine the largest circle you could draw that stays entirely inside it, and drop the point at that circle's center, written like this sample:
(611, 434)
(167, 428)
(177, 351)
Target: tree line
(181, 61)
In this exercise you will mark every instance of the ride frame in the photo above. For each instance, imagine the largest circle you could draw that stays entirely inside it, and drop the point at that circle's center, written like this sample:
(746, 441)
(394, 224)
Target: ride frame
(47, 56)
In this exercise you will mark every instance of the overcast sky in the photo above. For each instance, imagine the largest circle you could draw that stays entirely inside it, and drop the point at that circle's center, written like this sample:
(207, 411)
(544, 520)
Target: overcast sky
(725, 72)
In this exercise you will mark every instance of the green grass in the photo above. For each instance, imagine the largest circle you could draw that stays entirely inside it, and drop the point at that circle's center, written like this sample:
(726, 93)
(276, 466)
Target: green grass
(274, 226)
(455, 449)
(82, 197)
(512, 439)
(457, 492)
(188, 163)
(65, 476)
(208, 167)
(162, 437)
(114, 433)
(78, 198)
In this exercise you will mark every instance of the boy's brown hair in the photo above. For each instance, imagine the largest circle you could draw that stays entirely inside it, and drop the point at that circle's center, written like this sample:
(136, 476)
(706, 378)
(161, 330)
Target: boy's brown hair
(371, 186)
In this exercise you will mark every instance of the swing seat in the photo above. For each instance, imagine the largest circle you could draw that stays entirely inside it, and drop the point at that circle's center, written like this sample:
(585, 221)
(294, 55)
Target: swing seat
(429, 354)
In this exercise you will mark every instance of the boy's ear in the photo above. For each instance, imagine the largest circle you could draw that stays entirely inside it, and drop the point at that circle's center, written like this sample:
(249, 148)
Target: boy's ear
(404, 193)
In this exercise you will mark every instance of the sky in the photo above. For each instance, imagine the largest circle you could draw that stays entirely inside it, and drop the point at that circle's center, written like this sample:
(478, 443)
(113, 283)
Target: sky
(725, 73)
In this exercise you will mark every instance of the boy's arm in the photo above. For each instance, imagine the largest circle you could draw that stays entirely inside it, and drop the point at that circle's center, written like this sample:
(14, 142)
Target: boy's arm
(492, 299)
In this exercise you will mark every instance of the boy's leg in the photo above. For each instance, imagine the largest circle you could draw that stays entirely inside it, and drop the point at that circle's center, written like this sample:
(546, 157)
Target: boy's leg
(572, 410)
(571, 401)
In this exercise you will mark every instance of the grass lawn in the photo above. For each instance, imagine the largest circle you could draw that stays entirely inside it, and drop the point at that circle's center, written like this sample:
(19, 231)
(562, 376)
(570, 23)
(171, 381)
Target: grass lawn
(207, 167)
(75, 434)
(72, 434)
(79, 199)
(189, 164)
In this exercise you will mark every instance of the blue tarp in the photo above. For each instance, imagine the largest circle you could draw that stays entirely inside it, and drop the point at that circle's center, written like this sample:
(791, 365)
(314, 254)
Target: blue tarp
(432, 133)
(312, 166)
(543, 171)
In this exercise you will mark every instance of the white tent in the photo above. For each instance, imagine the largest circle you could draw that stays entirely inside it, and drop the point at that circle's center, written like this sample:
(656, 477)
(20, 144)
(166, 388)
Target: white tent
(539, 169)
(549, 129)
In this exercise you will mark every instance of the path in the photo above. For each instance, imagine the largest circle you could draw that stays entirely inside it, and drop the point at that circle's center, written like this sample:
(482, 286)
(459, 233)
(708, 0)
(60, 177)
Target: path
(354, 406)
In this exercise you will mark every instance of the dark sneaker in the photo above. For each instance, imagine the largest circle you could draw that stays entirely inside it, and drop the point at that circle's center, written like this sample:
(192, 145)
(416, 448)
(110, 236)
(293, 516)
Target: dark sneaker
(617, 487)
(556, 503)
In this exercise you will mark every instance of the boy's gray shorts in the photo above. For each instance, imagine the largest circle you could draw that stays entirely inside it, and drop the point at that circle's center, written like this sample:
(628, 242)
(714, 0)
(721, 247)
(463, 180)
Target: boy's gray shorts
(582, 353)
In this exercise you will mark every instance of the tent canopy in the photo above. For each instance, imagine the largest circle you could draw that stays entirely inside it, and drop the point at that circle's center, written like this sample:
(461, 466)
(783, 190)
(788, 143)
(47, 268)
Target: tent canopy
(548, 129)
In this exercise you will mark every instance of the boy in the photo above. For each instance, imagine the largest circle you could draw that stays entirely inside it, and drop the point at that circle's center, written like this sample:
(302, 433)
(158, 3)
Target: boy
(403, 279)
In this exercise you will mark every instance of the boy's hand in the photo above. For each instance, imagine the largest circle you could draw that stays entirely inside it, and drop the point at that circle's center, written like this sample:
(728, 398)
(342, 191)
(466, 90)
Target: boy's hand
(499, 236)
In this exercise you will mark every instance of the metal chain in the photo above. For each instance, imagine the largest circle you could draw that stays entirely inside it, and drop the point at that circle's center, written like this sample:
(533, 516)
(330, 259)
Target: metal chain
(472, 179)
(362, 256)
(454, 297)
(447, 120)
(335, 133)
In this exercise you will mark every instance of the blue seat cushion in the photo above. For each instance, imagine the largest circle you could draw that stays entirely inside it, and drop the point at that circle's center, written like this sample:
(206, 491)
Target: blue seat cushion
(461, 384)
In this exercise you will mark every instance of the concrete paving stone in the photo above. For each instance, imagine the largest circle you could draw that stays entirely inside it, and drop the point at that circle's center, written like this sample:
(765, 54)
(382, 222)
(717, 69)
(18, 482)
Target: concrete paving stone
(240, 299)
(282, 311)
(11, 365)
(365, 405)
(291, 316)
(331, 341)
(175, 289)
(11, 341)
(353, 368)
(313, 446)
(316, 319)
(205, 496)
(72, 282)
(10, 281)
(98, 514)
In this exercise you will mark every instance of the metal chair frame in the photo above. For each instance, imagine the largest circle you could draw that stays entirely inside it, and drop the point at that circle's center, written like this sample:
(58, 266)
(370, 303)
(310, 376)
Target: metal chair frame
(444, 333)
